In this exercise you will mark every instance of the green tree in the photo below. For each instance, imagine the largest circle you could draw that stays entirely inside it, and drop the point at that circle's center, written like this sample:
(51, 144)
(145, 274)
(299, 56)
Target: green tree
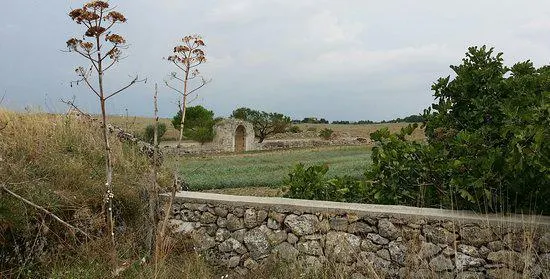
(199, 124)
(265, 123)
(487, 148)
(149, 132)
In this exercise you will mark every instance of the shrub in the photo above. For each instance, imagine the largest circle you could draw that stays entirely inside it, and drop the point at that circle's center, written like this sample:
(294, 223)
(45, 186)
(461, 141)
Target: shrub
(199, 124)
(294, 129)
(326, 133)
(148, 134)
(312, 183)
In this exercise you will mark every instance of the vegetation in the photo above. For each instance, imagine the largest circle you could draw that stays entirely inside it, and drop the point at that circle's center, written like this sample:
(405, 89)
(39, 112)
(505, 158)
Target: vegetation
(268, 168)
(415, 118)
(149, 132)
(326, 133)
(294, 129)
(199, 124)
(265, 123)
(187, 57)
(482, 152)
(98, 20)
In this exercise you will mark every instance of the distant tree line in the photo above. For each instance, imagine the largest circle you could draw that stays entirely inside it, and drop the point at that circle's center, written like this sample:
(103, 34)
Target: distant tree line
(415, 118)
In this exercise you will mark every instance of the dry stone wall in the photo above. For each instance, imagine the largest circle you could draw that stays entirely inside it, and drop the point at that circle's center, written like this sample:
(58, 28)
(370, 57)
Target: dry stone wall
(368, 241)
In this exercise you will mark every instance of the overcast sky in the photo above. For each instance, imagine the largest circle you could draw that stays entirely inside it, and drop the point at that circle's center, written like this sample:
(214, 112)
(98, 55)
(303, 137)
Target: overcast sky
(341, 60)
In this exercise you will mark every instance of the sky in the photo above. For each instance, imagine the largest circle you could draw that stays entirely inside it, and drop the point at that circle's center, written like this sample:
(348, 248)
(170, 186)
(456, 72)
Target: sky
(339, 60)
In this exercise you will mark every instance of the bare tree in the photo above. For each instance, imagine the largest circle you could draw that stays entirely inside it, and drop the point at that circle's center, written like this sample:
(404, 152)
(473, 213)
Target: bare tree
(186, 58)
(102, 48)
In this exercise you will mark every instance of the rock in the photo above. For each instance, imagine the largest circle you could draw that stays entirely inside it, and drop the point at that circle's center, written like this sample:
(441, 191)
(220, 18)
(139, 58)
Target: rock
(286, 252)
(178, 226)
(239, 235)
(250, 218)
(238, 211)
(220, 211)
(234, 223)
(312, 263)
(323, 226)
(544, 243)
(384, 254)
(250, 264)
(476, 236)
(369, 246)
(496, 245)
(367, 260)
(357, 276)
(360, 228)
(241, 271)
(310, 248)
(233, 261)
(257, 243)
(511, 258)
(230, 245)
(545, 261)
(484, 251)
(339, 223)
(470, 275)
(221, 222)
(278, 217)
(352, 217)
(439, 235)
(203, 241)
(261, 215)
(468, 250)
(222, 234)
(397, 252)
(208, 218)
(276, 237)
(377, 239)
(210, 229)
(303, 224)
(428, 250)
(342, 247)
(195, 206)
(441, 263)
(272, 224)
(503, 273)
(387, 229)
(448, 251)
(291, 238)
(463, 261)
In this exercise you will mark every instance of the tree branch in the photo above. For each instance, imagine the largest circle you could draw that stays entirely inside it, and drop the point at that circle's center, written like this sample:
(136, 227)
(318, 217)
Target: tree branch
(173, 88)
(204, 82)
(44, 210)
(83, 75)
(135, 80)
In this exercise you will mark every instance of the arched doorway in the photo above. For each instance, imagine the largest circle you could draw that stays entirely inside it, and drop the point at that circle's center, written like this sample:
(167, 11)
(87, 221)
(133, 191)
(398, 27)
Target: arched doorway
(240, 142)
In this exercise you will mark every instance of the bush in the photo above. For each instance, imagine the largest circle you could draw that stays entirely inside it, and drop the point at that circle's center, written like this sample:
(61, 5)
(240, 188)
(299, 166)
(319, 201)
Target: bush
(312, 183)
(326, 133)
(487, 136)
(294, 129)
(198, 125)
(148, 134)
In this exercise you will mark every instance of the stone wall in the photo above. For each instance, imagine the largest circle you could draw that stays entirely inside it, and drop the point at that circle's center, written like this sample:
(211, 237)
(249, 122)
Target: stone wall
(368, 241)
(224, 139)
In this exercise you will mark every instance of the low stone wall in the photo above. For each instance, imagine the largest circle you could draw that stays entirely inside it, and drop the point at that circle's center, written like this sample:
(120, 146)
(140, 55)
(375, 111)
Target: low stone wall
(368, 241)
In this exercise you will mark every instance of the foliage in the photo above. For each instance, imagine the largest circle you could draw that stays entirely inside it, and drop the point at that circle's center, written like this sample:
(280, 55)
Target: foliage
(265, 123)
(326, 133)
(149, 132)
(312, 183)
(314, 120)
(199, 123)
(487, 148)
(294, 129)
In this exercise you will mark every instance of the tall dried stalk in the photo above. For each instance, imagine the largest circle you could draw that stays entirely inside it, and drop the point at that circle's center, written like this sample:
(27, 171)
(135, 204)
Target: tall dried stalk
(187, 57)
(98, 19)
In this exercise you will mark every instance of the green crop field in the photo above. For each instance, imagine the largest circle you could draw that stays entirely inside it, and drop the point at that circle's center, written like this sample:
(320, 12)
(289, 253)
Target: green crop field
(268, 169)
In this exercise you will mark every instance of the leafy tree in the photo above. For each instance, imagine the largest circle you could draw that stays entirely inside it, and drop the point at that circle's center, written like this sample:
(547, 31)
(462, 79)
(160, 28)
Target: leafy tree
(199, 123)
(187, 57)
(149, 132)
(488, 136)
(102, 48)
(265, 123)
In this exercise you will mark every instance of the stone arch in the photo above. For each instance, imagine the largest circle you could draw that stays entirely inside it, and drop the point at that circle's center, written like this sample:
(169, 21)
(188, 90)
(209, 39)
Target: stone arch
(240, 139)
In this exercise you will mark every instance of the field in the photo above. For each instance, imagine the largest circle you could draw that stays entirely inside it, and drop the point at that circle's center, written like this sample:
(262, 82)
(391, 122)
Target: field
(137, 125)
(266, 169)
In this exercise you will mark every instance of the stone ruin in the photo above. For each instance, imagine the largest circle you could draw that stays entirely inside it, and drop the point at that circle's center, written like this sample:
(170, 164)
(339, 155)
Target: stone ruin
(234, 135)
